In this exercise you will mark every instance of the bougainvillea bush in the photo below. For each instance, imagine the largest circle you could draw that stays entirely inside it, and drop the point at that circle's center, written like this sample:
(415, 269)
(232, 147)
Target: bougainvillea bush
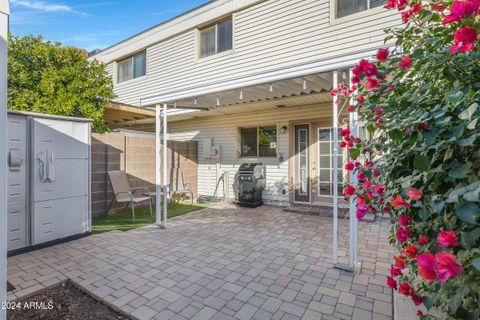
(420, 163)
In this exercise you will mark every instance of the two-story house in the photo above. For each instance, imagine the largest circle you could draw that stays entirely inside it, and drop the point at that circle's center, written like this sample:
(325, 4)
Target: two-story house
(250, 80)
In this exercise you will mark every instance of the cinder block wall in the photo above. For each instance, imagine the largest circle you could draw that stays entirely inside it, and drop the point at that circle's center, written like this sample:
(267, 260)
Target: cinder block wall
(135, 154)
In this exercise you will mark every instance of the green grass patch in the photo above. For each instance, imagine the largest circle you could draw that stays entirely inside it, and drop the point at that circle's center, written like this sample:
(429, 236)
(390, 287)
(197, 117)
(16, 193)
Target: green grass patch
(123, 221)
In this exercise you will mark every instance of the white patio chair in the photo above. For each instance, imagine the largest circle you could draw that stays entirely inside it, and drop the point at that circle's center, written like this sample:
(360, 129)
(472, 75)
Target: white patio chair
(123, 193)
(178, 186)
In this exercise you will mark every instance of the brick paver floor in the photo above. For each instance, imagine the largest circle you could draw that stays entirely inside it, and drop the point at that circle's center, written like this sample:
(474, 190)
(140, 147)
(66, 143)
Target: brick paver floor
(221, 263)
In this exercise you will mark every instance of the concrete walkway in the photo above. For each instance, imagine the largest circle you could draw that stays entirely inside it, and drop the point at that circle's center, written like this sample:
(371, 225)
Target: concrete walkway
(221, 263)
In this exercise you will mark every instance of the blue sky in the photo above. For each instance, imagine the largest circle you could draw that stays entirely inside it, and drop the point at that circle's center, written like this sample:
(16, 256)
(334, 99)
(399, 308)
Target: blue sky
(90, 24)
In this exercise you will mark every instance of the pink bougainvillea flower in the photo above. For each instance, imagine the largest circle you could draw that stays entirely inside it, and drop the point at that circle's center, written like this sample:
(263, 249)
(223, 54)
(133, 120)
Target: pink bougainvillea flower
(406, 15)
(378, 111)
(379, 189)
(438, 7)
(345, 132)
(333, 92)
(464, 40)
(404, 220)
(405, 63)
(367, 184)
(368, 68)
(403, 234)
(414, 194)
(349, 190)
(371, 84)
(391, 4)
(461, 10)
(376, 174)
(399, 202)
(391, 283)
(422, 240)
(447, 239)
(351, 108)
(419, 313)
(361, 211)
(417, 300)
(361, 100)
(447, 266)
(395, 272)
(382, 54)
(349, 166)
(410, 251)
(427, 267)
(405, 289)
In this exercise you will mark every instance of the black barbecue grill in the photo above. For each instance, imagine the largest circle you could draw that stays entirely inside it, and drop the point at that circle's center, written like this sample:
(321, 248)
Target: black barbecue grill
(251, 182)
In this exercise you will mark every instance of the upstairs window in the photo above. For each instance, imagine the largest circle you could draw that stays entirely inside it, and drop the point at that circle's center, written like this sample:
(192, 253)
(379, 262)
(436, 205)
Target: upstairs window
(132, 67)
(217, 38)
(347, 7)
(259, 142)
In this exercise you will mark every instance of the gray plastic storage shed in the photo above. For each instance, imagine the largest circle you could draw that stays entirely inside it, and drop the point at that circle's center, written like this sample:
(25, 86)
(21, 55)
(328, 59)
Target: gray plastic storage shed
(48, 179)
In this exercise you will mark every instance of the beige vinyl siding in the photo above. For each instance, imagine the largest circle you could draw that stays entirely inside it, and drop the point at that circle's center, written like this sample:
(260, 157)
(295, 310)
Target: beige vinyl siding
(225, 132)
(268, 36)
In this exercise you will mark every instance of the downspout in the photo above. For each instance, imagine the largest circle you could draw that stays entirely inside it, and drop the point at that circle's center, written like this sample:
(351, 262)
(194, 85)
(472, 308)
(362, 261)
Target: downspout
(4, 14)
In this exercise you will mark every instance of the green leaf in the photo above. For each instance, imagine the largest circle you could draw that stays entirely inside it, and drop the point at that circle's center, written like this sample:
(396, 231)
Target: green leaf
(460, 172)
(468, 141)
(354, 153)
(476, 263)
(455, 96)
(456, 300)
(468, 113)
(468, 212)
(421, 162)
(470, 238)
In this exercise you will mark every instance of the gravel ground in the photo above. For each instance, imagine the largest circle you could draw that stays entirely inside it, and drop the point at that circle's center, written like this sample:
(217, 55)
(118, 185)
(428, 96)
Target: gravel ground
(62, 302)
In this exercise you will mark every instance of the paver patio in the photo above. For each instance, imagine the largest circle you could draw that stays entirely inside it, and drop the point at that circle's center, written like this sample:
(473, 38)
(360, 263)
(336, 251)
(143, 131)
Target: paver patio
(221, 263)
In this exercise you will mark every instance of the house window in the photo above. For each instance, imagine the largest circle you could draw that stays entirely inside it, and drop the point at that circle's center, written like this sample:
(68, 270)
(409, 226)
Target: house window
(259, 142)
(217, 38)
(325, 162)
(132, 67)
(347, 7)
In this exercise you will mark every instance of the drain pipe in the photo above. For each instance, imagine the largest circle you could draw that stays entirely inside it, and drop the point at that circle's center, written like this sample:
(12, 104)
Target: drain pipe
(4, 13)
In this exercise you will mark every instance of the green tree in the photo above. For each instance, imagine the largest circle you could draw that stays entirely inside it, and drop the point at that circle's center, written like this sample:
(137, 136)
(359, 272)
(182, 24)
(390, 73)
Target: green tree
(47, 77)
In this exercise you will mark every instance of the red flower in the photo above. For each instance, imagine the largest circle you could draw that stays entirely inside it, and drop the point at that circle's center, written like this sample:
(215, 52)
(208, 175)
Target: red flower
(343, 144)
(333, 92)
(424, 127)
(391, 4)
(410, 251)
(349, 190)
(379, 189)
(404, 220)
(464, 40)
(399, 202)
(391, 283)
(369, 69)
(447, 239)
(361, 176)
(345, 132)
(422, 240)
(416, 299)
(405, 63)
(461, 10)
(351, 108)
(382, 54)
(403, 234)
(378, 111)
(349, 166)
(447, 266)
(360, 100)
(414, 194)
(400, 262)
(361, 211)
(405, 289)
(394, 272)
(427, 267)
(367, 184)
(406, 16)
(419, 313)
(371, 84)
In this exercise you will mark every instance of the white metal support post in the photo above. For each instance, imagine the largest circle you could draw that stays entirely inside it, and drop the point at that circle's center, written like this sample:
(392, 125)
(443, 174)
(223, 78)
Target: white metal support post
(165, 166)
(4, 13)
(353, 123)
(158, 165)
(335, 170)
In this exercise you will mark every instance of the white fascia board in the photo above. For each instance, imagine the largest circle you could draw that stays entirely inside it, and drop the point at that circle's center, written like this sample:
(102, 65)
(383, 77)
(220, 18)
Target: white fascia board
(4, 7)
(183, 23)
(277, 75)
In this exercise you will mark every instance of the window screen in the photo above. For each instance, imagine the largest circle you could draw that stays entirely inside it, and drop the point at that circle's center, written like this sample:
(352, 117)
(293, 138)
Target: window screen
(267, 142)
(207, 47)
(249, 142)
(348, 7)
(125, 70)
(132, 67)
(224, 36)
(140, 64)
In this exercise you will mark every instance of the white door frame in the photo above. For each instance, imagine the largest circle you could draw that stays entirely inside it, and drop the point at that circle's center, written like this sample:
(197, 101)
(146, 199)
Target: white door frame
(4, 13)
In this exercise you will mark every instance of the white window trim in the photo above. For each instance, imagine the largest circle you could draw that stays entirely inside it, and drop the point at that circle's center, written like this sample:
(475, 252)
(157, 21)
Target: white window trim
(198, 41)
(116, 65)
(365, 13)
(239, 130)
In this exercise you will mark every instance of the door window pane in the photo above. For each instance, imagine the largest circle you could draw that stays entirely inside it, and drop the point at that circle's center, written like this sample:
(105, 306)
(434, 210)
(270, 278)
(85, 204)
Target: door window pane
(325, 162)
(248, 142)
(207, 42)
(125, 70)
(140, 64)
(267, 141)
(224, 36)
